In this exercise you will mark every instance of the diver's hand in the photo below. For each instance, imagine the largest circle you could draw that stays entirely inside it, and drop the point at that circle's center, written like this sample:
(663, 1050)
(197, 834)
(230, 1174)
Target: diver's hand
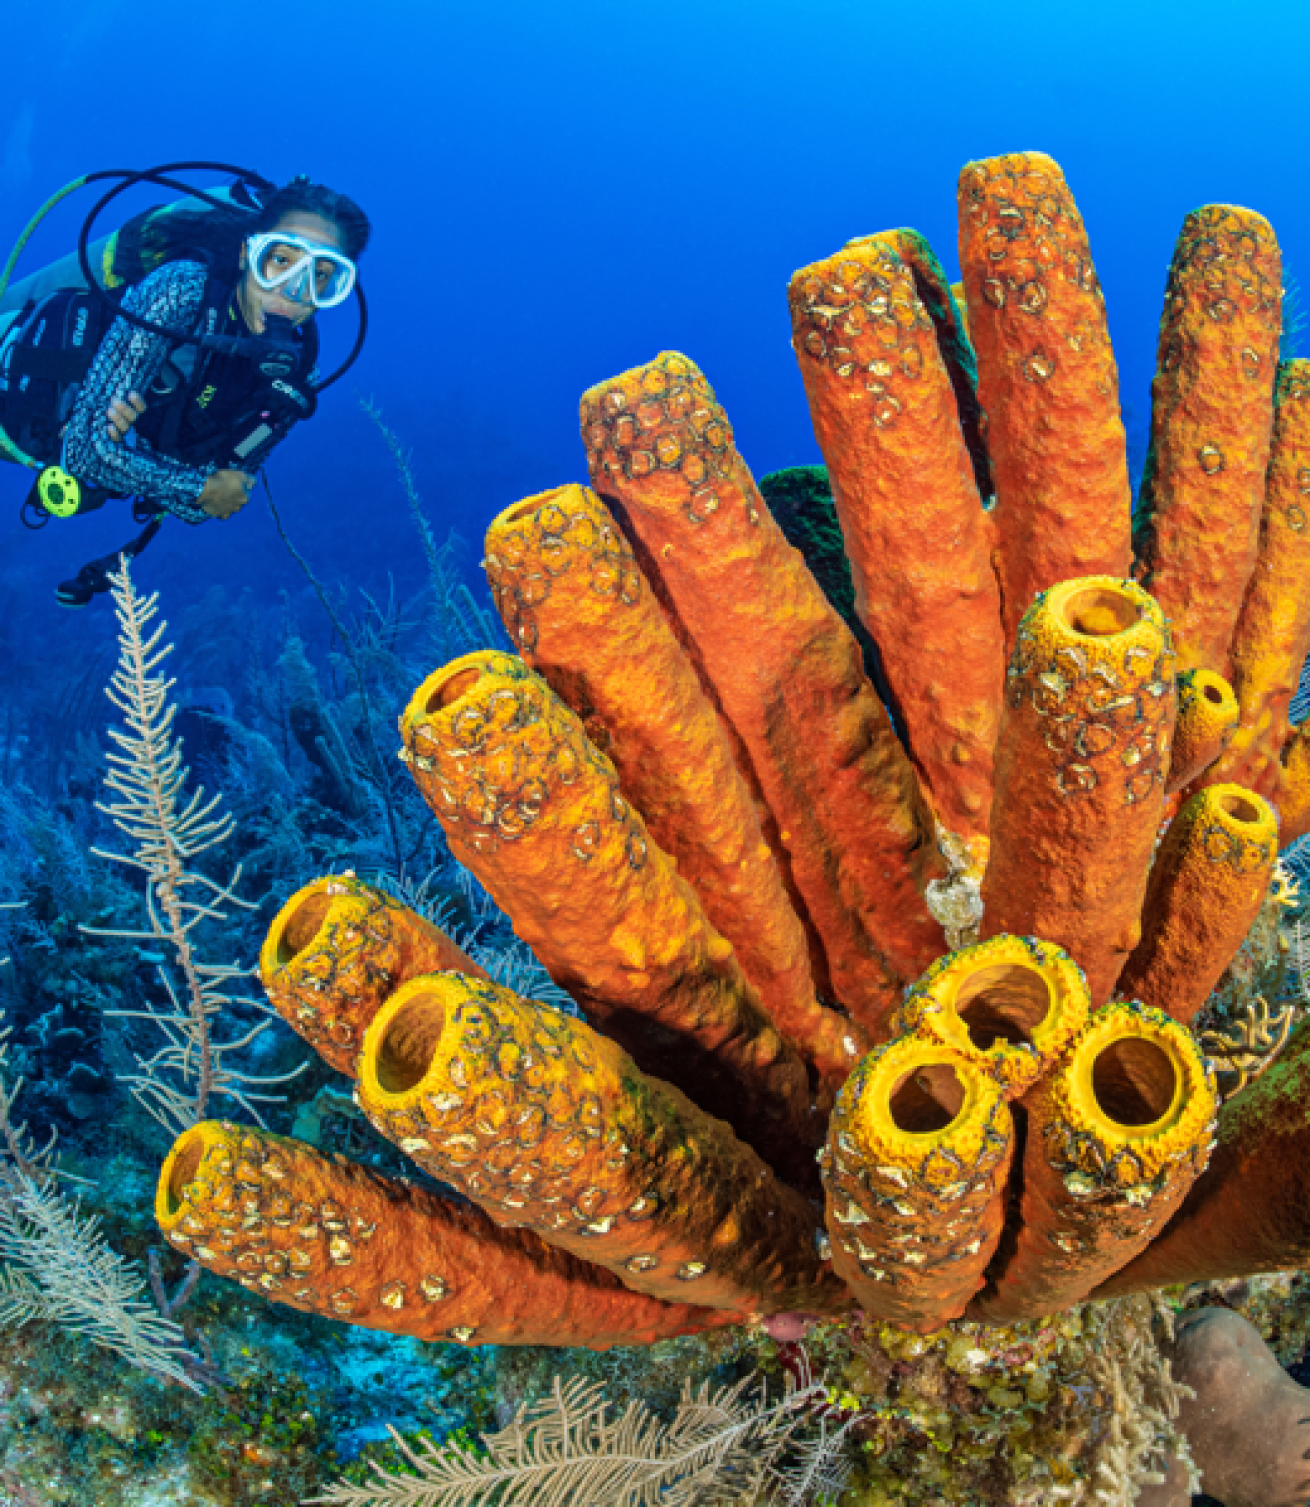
(226, 492)
(123, 413)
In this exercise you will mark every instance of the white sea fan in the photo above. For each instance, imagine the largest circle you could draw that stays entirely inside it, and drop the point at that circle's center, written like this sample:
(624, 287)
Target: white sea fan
(56, 1265)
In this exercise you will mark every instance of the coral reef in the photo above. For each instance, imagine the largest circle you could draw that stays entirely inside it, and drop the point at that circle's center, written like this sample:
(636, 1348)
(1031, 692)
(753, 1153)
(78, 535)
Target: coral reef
(694, 807)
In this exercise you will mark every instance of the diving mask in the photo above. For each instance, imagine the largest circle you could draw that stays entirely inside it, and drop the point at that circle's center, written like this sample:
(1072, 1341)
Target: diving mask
(301, 270)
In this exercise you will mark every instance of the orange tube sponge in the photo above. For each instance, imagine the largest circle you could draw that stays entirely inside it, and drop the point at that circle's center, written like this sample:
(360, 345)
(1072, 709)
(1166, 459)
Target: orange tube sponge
(1212, 404)
(1294, 787)
(887, 423)
(1208, 715)
(535, 811)
(1116, 1136)
(335, 951)
(322, 1235)
(915, 1169)
(1250, 1209)
(1207, 885)
(570, 592)
(1272, 637)
(1047, 380)
(786, 673)
(1013, 1005)
(1079, 773)
(945, 306)
(546, 1123)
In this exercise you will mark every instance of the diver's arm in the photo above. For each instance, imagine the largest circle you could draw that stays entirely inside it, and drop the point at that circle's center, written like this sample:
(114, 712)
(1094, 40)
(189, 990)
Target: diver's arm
(129, 359)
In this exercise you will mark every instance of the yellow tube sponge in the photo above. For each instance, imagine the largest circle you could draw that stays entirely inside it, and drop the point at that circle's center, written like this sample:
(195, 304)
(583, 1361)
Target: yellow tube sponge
(335, 951)
(1047, 379)
(1208, 714)
(1294, 787)
(1080, 773)
(1116, 1136)
(1272, 637)
(534, 809)
(1209, 880)
(567, 585)
(1212, 407)
(888, 424)
(857, 832)
(322, 1235)
(915, 1169)
(547, 1124)
(1014, 1005)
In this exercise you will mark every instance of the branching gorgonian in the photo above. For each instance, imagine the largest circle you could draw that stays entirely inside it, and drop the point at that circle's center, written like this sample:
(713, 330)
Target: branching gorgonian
(168, 830)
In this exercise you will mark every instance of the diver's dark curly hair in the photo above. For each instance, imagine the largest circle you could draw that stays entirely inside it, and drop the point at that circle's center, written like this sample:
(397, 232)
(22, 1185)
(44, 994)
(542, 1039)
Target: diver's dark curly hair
(216, 235)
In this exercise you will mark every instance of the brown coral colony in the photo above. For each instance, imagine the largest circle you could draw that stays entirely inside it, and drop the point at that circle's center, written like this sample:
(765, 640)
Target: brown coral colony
(897, 1020)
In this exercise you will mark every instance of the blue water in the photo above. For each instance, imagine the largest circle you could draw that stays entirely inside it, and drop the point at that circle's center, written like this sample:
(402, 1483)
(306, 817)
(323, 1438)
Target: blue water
(560, 191)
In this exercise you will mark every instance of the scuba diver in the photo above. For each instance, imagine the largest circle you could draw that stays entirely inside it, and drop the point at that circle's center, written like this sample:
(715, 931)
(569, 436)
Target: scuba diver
(169, 374)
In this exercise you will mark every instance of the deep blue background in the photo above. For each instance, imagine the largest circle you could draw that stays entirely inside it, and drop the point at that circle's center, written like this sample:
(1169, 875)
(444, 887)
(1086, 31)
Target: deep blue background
(560, 191)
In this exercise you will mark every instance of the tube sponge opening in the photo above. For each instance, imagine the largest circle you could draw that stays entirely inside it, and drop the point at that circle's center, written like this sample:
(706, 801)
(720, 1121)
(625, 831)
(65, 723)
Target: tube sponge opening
(182, 1165)
(1134, 1082)
(1011, 1004)
(300, 928)
(915, 1171)
(1006, 1003)
(926, 1100)
(409, 1041)
(1100, 612)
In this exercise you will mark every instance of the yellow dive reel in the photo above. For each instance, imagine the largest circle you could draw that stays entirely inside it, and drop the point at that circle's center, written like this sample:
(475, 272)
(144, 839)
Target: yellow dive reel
(56, 494)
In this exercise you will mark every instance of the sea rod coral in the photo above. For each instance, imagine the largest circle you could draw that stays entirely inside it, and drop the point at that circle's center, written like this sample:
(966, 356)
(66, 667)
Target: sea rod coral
(864, 1020)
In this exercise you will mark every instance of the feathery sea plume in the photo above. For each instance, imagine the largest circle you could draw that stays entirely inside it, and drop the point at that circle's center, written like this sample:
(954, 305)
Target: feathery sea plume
(168, 831)
(56, 1266)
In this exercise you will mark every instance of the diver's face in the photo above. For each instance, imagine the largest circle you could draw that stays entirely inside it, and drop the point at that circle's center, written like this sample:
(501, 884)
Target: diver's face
(256, 302)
